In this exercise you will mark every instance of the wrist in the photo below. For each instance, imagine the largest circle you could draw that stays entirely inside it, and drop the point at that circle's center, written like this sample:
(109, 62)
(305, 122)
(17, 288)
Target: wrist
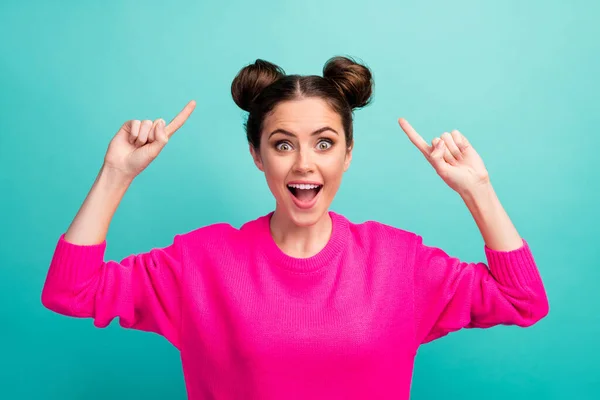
(478, 191)
(112, 178)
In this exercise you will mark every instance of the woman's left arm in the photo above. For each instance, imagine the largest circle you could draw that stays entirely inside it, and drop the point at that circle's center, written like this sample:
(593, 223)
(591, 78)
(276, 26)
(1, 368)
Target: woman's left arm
(451, 294)
(496, 228)
(461, 168)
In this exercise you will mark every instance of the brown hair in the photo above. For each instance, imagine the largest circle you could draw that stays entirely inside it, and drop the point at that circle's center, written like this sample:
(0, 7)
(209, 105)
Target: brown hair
(259, 87)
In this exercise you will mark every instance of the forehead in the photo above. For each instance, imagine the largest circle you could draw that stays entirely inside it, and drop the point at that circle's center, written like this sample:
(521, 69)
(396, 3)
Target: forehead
(302, 116)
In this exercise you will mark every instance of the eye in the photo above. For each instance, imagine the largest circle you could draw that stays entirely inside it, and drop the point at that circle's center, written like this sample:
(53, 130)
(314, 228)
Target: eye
(324, 144)
(283, 146)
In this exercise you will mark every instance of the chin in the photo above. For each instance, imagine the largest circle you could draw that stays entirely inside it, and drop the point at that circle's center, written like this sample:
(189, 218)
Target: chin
(300, 208)
(304, 218)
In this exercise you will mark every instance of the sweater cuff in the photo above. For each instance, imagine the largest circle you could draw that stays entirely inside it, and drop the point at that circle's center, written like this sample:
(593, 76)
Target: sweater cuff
(516, 268)
(74, 262)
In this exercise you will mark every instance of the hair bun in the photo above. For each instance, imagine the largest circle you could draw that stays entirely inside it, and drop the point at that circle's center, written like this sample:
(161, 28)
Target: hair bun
(251, 80)
(353, 80)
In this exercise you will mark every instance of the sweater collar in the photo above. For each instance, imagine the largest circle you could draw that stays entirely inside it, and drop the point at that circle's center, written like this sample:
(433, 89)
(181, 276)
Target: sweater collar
(335, 246)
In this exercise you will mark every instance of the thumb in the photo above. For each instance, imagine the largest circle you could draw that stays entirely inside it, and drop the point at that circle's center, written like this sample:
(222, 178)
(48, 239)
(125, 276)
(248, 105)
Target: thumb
(436, 158)
(160, 139)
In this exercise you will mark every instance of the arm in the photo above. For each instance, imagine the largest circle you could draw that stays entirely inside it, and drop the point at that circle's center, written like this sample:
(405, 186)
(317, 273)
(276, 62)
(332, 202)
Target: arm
(496, 228)
(92, 221)
(451, 294)
(143, 289)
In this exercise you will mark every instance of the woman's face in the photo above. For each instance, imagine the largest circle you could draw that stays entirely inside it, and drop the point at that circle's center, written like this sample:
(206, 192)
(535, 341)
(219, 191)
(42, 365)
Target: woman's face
(303, 154)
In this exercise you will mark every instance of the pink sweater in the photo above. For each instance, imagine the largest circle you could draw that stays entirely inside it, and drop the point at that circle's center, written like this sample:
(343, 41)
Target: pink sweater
(251, 322)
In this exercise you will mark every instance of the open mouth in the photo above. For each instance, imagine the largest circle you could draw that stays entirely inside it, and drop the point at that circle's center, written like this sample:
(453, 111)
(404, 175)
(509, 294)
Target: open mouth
(304, 193)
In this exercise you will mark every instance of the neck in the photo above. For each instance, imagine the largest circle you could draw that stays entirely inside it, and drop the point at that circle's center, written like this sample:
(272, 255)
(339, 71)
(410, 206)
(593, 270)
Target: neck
(300, 241)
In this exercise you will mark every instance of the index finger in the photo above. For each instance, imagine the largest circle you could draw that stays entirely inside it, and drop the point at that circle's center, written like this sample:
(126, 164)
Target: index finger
(414, 137)
(180, 119)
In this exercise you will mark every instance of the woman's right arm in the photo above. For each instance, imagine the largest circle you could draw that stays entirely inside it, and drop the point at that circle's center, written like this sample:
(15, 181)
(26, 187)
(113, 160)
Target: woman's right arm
(143, 290)
(91, 223)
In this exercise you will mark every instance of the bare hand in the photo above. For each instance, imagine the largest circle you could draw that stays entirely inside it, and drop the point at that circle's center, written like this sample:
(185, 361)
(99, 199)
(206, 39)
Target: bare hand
(452, 157)
(138, 143)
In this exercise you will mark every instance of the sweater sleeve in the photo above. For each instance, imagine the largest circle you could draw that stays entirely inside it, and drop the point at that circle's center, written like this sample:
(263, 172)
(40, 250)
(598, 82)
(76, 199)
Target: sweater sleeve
(143, 290)
(451, 294)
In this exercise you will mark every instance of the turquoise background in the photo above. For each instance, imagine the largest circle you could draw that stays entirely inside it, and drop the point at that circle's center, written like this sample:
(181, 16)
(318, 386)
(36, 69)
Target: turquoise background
(519, 79)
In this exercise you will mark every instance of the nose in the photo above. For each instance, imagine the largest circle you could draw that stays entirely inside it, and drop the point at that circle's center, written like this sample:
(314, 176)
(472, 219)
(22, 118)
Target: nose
(304, 162)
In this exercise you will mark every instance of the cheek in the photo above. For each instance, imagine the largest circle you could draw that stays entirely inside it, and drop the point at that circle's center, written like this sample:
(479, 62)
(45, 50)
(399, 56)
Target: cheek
(335, 165)
(333, 171)
(276, 169)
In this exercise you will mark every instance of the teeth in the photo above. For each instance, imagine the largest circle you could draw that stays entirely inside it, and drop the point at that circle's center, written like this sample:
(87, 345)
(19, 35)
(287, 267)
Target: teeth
(303, 186)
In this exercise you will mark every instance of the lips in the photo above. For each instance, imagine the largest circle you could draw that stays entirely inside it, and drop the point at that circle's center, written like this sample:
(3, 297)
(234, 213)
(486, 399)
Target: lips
(304, 194)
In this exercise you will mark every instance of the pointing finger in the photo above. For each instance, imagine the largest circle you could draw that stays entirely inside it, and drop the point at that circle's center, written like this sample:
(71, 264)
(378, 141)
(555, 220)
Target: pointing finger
(415, 138)
(180, 119)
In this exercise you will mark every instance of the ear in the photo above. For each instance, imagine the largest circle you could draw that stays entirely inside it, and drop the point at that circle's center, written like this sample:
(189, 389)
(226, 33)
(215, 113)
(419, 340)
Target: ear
(256, 157)
(348, 157)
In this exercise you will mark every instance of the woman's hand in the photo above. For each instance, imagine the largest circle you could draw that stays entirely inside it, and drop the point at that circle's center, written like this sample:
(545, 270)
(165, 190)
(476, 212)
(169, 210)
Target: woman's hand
(452, 157)
(138, 143)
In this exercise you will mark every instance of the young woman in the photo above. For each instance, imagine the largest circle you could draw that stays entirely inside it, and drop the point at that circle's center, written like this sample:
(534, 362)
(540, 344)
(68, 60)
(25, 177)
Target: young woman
(300, 303)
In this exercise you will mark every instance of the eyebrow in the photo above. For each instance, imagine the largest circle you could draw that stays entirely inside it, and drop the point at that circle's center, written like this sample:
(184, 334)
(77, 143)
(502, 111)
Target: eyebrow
(288, 133)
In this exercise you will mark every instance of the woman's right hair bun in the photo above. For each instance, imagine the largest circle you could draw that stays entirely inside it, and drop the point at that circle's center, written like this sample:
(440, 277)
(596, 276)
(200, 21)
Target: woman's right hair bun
(251, 80)
(353, 80)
